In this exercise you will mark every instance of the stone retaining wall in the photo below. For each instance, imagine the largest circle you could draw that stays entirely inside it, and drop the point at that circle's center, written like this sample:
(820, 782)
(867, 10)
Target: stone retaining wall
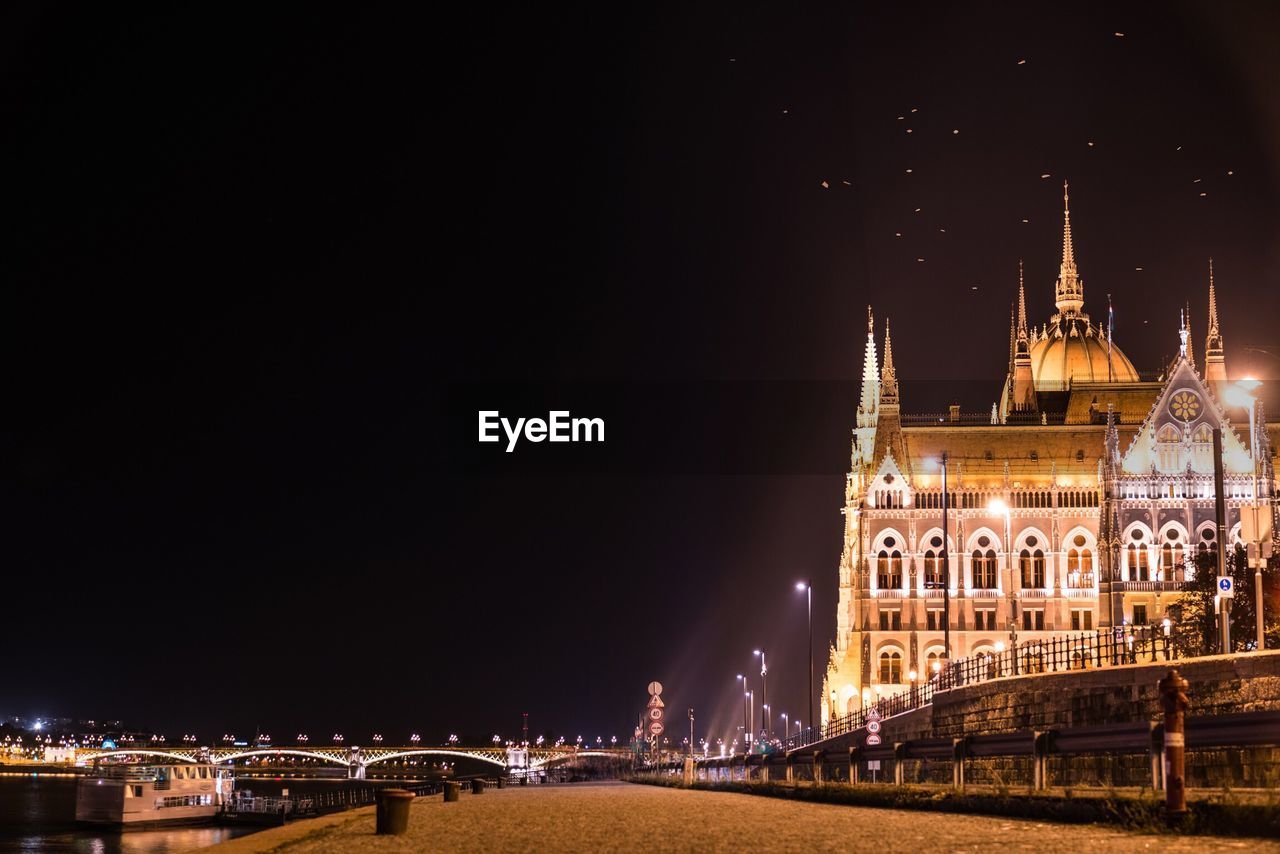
(1218, 685)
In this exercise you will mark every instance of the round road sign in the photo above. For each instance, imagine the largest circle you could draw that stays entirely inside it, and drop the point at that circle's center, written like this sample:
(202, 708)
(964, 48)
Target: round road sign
(655, 714)
(656, 727)
(873, 726)
(655, 688)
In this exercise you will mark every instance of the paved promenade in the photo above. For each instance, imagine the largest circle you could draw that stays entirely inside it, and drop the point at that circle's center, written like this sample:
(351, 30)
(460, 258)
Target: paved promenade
(624, 817)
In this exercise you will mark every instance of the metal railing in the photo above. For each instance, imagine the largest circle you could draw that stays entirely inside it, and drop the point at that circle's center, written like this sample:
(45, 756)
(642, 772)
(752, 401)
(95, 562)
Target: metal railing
(1109, 647)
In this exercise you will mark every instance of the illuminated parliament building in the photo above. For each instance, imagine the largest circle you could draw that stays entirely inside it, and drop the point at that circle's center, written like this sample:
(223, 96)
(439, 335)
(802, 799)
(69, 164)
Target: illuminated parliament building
(1076, 503)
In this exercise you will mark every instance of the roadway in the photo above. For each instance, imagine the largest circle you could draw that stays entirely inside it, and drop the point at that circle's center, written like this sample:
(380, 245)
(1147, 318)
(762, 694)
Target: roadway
(624, 817)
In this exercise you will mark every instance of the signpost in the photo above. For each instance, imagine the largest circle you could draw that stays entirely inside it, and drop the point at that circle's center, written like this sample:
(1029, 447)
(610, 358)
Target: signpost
(1226, 587)
(873, 727)
(654, 714)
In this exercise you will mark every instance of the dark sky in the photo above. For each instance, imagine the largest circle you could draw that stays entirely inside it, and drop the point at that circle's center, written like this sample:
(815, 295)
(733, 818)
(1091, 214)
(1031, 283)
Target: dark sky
(260, 271)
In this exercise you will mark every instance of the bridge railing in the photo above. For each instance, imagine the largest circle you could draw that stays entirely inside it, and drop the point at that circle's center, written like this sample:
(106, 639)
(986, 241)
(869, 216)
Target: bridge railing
(1109, 647)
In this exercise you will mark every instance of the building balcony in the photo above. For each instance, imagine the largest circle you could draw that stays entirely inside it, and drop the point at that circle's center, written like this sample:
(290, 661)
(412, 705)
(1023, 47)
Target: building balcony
(1148, 586)
(890, 593)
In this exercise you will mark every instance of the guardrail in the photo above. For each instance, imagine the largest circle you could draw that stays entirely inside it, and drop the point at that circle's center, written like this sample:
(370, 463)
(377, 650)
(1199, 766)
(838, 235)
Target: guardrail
(1240, 730)
(1109, 647)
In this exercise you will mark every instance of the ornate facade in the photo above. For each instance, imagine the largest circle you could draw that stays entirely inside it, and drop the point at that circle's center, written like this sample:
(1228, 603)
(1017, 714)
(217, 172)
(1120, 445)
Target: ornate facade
(1077, 503)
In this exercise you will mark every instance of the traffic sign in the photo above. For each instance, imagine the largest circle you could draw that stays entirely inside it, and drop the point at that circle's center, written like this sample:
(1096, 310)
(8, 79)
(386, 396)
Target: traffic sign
(1226, 587)
(872, 739)
(873, 726)
(655, 714)
(655, 702)
(873, 714)
(656, 728)
(655, 688)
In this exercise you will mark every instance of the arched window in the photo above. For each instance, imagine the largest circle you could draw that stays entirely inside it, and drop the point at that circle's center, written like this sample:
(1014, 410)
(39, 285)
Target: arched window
(1080, 563)
(1031, 565)
(1171, 556)
(1138, 568)
(984, 569)
(889, 569)
(890, 668)
(932, 663)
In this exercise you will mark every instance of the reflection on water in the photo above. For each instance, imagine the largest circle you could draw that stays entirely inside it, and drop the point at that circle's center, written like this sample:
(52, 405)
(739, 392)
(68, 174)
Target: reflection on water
(37, 814)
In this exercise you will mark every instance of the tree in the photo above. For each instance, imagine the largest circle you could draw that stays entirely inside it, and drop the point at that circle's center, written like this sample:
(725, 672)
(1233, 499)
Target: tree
(1194, 611)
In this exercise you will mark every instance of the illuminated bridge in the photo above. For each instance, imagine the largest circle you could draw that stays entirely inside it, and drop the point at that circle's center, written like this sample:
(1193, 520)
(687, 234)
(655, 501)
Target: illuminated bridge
(355, 759)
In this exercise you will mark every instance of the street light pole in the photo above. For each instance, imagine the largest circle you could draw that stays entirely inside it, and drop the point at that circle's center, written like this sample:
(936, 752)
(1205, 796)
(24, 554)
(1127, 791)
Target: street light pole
(807, 587)
(746, 702)
(764, 691)
(946, 569)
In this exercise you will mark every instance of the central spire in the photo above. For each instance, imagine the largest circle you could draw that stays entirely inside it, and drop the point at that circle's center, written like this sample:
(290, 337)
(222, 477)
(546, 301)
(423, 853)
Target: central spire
(888, 376)
(1069, 291)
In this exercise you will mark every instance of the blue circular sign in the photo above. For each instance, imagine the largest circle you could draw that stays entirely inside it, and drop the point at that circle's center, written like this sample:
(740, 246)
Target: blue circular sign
(1224, 584)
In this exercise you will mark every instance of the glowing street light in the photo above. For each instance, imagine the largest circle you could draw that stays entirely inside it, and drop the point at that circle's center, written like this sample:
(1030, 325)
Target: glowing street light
(807, 588)
(414, 739)
(1239, 395)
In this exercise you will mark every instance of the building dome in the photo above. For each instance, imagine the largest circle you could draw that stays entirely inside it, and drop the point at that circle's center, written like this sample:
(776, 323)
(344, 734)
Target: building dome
(1076, 352)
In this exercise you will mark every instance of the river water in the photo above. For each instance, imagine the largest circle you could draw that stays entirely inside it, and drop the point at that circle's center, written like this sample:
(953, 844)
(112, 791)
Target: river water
(37, 814)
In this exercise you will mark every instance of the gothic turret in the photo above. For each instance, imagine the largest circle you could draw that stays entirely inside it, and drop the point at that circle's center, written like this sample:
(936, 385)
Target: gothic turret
(869, 404)
(1023, 397)
(1215, 364)
(888, 439)
(1069, 291)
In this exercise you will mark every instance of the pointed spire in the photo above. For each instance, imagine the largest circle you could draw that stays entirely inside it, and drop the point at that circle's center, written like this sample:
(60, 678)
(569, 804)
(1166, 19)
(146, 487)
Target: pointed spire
(1191, 353)
(1013, 338)
(888, 377)
(870, 379)
(1215, 365)
(1213, 304)
(1022, 303)
(1182, 333)
(1068, 248)
(1069, 291)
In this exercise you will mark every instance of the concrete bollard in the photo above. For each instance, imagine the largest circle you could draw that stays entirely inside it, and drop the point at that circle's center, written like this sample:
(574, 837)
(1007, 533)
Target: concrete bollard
(392, 811)
(451, 791)
(477, 786)
(1173, 698)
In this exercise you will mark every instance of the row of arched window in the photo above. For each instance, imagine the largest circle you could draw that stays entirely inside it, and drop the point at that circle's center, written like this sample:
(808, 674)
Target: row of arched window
(984, 566)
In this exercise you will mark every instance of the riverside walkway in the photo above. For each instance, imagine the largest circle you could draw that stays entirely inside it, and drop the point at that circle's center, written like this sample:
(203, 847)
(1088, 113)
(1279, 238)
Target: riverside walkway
(625, 817)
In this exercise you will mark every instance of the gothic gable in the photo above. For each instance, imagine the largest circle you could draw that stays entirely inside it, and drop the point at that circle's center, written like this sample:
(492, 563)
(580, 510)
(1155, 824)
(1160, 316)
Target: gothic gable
(1177, 434)
(889, 487)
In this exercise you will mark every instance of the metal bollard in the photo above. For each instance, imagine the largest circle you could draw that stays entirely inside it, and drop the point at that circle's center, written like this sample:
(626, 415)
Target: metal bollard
(451, 790)
(1173, 697)
(392, 812)
(477, 786)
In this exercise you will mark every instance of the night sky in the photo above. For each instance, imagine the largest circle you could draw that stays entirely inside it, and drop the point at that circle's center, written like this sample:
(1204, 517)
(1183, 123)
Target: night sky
(259, 272)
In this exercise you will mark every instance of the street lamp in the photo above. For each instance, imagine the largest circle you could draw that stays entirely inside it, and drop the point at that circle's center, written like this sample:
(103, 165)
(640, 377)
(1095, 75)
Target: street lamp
(1238, 395)
(764, 689)
(746, 708)
(807, 587)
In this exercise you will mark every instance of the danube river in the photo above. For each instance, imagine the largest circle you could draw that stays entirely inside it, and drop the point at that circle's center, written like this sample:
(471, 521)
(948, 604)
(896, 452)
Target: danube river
(37, 814)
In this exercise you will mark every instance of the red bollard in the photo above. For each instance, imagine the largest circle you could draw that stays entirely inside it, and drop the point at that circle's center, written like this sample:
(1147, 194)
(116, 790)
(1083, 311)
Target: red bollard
(1173, 696)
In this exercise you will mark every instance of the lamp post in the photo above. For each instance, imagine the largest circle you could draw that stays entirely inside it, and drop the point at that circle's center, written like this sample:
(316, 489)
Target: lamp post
(764, 690)
(946, 569)
(1238, 395)
(746, 700)
(807, 587)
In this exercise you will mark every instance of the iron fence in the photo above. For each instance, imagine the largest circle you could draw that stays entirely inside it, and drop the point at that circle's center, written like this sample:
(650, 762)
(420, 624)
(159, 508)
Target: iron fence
(1110, 647)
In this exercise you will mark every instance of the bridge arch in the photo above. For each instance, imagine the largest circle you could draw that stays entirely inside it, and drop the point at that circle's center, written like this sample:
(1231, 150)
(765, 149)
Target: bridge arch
(561, 757)
(137, 751)
(283, 751)
(429, 751)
